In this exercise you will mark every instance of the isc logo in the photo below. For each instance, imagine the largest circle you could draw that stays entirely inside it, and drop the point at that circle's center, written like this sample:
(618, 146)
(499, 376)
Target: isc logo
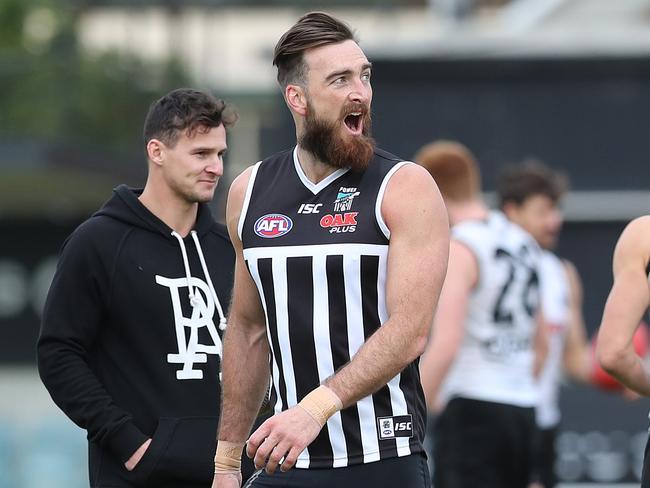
(273, 225)
(310, 208)
(398, 426)
(403, 426)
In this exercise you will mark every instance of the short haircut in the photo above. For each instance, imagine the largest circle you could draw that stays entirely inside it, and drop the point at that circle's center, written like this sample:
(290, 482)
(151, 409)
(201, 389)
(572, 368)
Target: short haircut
(454, 168)
(311, 30)
(517, 183)
(185, 109)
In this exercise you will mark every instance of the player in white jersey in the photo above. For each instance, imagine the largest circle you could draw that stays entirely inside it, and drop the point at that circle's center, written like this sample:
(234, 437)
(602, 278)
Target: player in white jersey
(627, 303)
(487, 342)
(529, 195)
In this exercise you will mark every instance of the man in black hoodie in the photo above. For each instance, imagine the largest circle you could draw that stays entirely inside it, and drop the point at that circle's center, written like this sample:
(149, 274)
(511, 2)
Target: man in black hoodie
(130, 344)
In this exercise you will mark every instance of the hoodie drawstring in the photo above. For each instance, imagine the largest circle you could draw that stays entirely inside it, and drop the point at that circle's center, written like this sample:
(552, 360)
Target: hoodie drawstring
(192, 292)
(222, 317)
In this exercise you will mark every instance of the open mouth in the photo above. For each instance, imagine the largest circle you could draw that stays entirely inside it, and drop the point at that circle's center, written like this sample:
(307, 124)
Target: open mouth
(353, 121)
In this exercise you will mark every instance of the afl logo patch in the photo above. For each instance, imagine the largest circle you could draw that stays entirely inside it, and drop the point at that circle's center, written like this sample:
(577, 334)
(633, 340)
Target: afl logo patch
(273, 225)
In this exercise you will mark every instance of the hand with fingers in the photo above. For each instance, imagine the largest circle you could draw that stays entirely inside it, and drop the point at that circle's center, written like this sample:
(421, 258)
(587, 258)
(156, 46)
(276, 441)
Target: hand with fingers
(280, 440)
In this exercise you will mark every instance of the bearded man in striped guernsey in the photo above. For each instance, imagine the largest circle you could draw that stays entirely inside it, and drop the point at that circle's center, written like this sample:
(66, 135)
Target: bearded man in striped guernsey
(341, 253)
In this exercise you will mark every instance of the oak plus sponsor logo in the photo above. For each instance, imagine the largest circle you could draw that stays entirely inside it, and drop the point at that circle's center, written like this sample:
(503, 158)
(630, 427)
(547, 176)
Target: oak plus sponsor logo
(339, 223)
(397, 426)
(270, 226)
(344, 199)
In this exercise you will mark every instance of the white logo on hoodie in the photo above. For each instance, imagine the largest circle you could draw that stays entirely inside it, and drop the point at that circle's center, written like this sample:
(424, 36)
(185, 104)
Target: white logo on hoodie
(190, 352)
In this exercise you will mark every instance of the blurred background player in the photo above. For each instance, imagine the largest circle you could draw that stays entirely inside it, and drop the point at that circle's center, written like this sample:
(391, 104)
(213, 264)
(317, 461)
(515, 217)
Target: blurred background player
(486, 342)
(626, 305)
(529, 195)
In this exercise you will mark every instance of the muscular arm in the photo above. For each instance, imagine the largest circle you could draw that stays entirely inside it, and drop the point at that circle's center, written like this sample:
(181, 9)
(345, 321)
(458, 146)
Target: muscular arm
(577, 352)
(626, 304)
(245, 351)
(417, 262)
(449, 322)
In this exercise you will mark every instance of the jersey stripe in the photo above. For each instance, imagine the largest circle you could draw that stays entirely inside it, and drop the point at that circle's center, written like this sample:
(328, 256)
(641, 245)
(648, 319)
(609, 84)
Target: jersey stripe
(339, 345)
(410, 386)
(319, 315)
(284, 252)
(381, 398)
(397, 397)
(262, 275)
(356, 338)
(279, 270)
(324, 356)
(300, 305)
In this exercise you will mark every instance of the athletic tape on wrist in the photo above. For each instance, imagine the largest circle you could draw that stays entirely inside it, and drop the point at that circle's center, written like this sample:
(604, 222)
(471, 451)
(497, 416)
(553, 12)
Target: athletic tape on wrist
(228, 457)
(321, 404)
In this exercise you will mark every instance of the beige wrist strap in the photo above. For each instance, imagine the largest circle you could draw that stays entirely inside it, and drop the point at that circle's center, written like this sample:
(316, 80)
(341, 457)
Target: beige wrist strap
(321, 404)
(227, 459)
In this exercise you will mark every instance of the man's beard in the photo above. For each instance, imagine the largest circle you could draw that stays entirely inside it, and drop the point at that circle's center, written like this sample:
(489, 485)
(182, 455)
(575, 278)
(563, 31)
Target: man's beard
(324, 140)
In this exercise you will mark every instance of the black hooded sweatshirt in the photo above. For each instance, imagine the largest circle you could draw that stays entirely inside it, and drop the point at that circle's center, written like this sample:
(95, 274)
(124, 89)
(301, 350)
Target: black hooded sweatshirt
(128, 351)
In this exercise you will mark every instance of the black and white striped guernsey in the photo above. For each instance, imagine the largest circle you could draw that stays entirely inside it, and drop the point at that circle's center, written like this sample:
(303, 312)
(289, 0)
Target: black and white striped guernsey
(318, 255)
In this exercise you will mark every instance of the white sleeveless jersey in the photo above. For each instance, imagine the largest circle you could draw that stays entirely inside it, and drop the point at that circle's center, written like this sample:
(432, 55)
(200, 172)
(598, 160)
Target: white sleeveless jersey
(495, 360)
(555, 295)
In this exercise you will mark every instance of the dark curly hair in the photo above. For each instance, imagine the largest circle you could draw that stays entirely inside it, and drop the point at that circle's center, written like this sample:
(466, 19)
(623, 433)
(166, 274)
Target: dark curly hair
(516, 183)
(186, 110)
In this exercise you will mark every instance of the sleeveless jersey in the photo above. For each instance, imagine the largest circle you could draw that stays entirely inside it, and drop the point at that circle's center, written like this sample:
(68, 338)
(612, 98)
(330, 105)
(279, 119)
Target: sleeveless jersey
(495, 359)
(318, 255)
(555, 293)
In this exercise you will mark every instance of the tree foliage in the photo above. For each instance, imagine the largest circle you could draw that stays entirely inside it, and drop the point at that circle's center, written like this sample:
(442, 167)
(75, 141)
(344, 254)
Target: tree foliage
(51, 89)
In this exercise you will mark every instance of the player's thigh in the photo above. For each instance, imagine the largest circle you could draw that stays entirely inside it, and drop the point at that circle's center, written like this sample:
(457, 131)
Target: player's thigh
(547, 457)
(467, 440)
(520, 434)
